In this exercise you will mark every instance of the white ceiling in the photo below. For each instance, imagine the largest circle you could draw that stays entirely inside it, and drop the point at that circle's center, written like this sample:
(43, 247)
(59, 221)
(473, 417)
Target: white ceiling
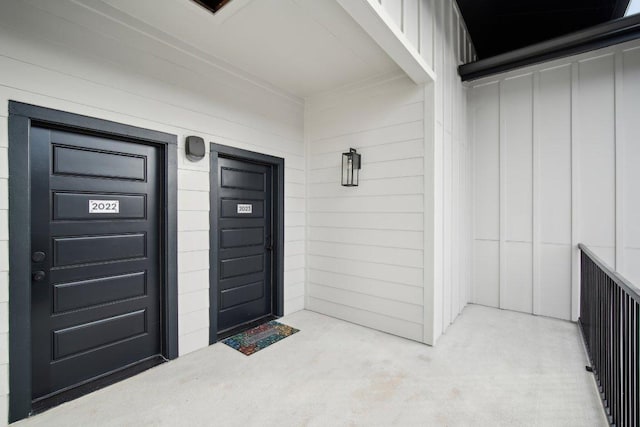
(300, 46)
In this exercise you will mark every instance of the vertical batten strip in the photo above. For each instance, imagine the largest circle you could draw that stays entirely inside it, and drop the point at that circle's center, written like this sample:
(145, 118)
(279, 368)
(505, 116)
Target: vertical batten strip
(471, 201)
(434, 30)
(619, 142)
(438, 63)
(535, 267)
(502, 151)
(452, 178)
(420, 24)
(471, 115)
(575, 193)
(451, 189)
(430, 295)
(307, 173)
(465, 46)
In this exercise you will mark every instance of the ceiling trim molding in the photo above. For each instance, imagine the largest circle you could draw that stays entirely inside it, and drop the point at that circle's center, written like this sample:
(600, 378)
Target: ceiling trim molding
(370, 16)
(597, 37)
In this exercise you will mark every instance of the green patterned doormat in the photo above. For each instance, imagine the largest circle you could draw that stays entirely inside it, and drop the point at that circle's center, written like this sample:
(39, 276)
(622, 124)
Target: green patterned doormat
(255, 339)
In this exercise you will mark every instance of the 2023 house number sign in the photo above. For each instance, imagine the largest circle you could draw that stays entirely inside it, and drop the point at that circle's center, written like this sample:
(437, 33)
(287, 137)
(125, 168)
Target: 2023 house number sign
(104, 206)
(244, 208)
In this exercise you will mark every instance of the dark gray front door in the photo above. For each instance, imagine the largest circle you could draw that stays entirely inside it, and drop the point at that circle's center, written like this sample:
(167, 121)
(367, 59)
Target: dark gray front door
(95, 291)
(244, 209)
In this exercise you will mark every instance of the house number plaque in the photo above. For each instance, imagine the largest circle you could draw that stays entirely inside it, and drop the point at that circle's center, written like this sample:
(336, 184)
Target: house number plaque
(245, 209)
(104, 206)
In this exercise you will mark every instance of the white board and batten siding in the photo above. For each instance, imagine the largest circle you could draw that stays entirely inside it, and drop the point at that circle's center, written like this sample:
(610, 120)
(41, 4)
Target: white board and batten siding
(51, 62)
(417, 21)
(366, 255)
(555, 165)
(451, 161)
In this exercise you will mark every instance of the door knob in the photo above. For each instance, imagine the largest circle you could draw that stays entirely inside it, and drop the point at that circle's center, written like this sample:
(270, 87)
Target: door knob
(38, 275)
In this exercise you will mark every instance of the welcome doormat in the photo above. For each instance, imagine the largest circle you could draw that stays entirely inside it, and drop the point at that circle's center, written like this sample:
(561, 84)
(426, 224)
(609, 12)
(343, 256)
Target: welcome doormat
(255, 339)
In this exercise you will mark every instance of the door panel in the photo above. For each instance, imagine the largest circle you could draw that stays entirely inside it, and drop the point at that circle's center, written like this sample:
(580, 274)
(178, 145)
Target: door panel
(242, 179)
(75, 339)
(85, 250)
(83, 161)
(242, 294)
(229, 208)
(74, 206)
(241, 237)
(95, 295)
(244, 199)
(87, 293)
(241, 266)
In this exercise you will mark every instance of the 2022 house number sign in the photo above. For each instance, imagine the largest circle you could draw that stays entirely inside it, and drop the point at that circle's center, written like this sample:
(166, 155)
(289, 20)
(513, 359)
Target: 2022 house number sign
(104, 206)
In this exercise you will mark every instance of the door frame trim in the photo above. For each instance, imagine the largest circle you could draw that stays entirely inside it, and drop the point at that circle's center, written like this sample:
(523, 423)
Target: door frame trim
(277, 165)
(21, 117)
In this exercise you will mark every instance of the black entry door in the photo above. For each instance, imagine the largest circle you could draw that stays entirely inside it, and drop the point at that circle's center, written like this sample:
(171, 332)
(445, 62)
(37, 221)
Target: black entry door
(244, 252)
(95, 291)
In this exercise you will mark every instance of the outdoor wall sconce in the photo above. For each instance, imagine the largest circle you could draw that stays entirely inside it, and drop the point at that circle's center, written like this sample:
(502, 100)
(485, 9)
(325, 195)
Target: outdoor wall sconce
(350, 168)
(194, 148)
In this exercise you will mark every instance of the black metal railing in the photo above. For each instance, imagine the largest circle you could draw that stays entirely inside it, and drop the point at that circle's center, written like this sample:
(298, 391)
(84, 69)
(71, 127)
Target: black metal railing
(610, 324)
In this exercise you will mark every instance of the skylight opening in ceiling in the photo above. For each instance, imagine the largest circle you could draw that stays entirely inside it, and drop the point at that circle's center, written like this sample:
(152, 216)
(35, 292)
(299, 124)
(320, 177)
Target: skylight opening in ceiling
(212, 5)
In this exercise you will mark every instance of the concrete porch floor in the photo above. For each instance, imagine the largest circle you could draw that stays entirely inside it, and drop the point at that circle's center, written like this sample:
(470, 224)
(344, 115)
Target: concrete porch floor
(492, 368)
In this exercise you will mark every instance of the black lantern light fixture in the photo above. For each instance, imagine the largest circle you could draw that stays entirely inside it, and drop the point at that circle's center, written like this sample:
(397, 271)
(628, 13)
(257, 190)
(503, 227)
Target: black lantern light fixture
(351, 164)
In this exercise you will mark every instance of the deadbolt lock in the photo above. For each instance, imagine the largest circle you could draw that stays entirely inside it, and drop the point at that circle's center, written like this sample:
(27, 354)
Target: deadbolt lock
(38, 256)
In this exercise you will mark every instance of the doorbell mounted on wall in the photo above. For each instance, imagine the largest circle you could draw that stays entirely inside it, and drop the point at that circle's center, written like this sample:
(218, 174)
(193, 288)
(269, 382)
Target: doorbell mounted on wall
(194, 148)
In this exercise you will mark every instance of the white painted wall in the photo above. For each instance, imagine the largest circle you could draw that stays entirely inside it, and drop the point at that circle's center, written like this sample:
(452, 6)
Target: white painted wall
(364, 244)
(73, 68)
(556, 164)
(393, 253)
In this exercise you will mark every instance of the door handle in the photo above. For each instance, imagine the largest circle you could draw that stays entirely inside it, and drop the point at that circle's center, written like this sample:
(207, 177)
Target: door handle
(269, 245)
(38, 275)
